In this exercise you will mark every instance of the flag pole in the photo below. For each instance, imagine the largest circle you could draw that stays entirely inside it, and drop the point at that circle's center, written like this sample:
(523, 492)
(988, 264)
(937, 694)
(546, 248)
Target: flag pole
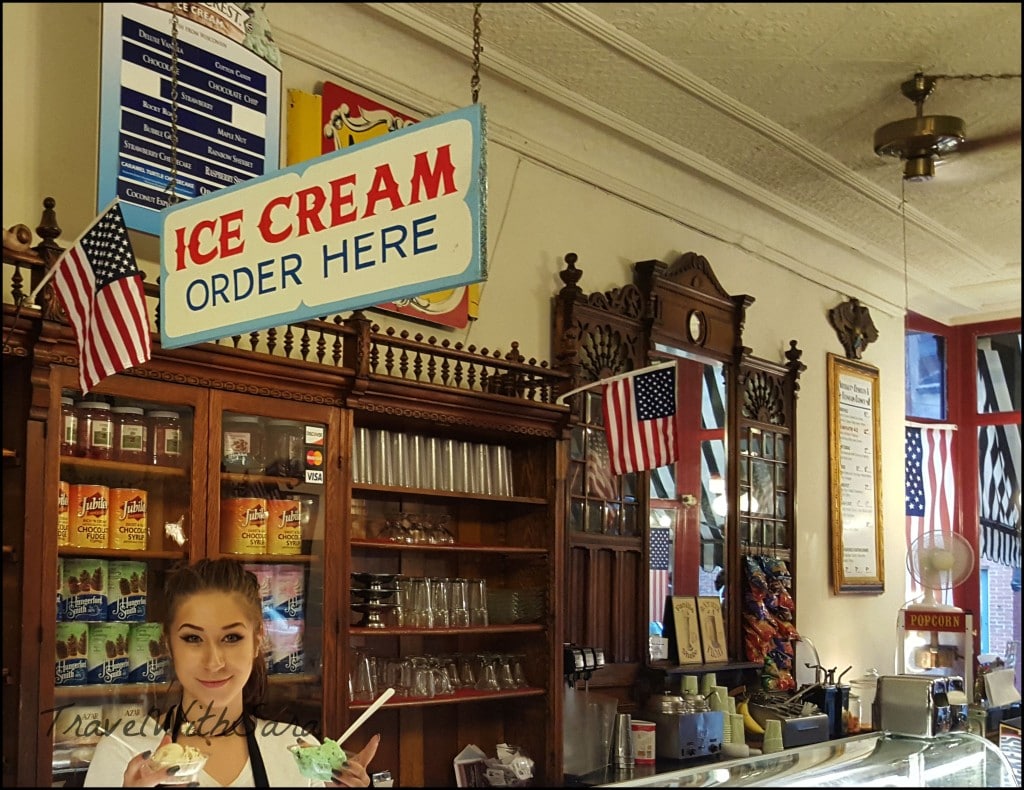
(665, 363)
(53, 269)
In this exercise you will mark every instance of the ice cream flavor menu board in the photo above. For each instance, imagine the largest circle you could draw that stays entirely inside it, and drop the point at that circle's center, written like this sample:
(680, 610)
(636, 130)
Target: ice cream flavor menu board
(855, 472)
(226, 99)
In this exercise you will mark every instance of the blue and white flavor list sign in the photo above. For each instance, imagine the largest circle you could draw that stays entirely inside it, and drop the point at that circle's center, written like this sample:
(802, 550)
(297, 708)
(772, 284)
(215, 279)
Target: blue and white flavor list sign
(228, 111)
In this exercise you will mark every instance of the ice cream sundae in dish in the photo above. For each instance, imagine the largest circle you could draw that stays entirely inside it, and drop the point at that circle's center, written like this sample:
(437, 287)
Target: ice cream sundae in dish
(320, 762)
(189, 759)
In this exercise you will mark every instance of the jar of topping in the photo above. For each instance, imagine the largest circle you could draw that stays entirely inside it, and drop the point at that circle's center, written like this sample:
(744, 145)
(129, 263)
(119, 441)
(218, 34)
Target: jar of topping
(242, 444)
(165, 438)
(95, 430)
(130, 434)
(68, 427)
(285, 447)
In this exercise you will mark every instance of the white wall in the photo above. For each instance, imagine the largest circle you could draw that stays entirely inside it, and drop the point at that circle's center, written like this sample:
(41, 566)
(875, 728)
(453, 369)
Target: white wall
(558, 183)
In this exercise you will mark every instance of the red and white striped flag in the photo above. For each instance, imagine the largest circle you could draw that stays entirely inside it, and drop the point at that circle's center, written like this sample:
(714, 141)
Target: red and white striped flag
(99, 283)
(639, 419)
(930, 488)
(661, 563)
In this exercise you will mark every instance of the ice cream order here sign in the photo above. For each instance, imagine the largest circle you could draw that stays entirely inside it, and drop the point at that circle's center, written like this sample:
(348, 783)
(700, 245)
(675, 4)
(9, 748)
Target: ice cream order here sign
(394, 217)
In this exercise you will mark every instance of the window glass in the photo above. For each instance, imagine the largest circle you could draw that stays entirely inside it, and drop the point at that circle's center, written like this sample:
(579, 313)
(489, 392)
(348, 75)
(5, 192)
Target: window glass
(925, 356)
(999, 371)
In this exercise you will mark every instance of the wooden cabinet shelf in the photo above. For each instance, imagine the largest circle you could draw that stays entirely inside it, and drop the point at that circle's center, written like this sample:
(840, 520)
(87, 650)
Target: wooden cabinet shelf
(460, 697)
(392, 492)
(247, 479)
(121, 554)
(387, 545)
(511, 628)
(701, 669)
(95, 464)
(121, 691)
(274, 558)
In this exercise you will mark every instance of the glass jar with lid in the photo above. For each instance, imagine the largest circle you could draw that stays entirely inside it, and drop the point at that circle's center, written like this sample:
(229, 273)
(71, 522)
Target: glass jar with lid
(242, 447)
(68, 427)
(95, 430)
(284, 448)
(131, 430)
(165, 442)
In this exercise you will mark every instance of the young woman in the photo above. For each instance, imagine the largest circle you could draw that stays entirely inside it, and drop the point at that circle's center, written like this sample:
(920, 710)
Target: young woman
(214, 628)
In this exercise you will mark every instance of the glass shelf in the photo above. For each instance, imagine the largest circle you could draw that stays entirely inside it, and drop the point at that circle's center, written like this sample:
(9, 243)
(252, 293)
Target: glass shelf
(388, 545)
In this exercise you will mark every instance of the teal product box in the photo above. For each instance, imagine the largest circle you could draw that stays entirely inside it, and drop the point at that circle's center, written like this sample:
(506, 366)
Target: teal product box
(149, 660)
(108, 653)
(126, 593)
(85, 589)
(71, 667)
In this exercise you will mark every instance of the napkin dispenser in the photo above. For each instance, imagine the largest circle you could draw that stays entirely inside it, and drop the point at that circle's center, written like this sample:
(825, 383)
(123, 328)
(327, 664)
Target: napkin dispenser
(920, 705)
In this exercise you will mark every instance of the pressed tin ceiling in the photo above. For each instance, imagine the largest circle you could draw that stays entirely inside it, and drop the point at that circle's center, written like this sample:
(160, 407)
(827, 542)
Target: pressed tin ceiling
(785, 98)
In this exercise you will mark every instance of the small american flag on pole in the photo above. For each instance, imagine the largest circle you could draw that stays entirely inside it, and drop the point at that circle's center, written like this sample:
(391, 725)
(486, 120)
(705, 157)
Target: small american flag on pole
(99, 283)
(639, 419)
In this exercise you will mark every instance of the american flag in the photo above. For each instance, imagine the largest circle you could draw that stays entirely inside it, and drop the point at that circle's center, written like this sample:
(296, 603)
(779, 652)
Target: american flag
(639, 419)
(99, 283)
(930, 486)
(661, 548)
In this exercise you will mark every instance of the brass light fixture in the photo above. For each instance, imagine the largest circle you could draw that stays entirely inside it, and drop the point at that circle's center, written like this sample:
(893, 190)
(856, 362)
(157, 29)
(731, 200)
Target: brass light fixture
(918, 140)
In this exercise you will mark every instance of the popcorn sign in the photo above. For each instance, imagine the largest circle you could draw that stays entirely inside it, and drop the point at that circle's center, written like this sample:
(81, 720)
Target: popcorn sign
(394, 217)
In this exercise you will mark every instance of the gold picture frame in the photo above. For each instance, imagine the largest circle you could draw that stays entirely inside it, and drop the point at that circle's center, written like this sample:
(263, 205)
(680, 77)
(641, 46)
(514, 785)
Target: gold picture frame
(855, 477)
(713, 640)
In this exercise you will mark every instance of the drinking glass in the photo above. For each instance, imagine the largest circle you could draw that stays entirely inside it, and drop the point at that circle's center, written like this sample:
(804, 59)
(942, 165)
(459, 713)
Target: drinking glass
(424, 678)
(488, 676)
(422, 610)
(361, 468)
(429, 463)
(364, 679)
(478, 602)
(382, 468)
(499, 459)
(482, 465)
(467, 671)
(505, 677)
(460, 602)
(448, 463)
(440, 599)
(464, 477)
(400, 458)
(414, 463)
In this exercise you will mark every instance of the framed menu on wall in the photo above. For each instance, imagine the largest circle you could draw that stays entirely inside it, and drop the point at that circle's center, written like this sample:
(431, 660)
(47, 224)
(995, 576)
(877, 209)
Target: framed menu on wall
(855, 477)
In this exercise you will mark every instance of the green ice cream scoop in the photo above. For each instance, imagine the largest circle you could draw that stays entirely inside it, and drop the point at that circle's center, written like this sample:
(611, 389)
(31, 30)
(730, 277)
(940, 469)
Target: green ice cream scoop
(320, 762)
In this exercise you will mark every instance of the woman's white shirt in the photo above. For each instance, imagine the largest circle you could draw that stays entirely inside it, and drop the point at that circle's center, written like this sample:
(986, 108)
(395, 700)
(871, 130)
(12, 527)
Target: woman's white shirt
(113, 753)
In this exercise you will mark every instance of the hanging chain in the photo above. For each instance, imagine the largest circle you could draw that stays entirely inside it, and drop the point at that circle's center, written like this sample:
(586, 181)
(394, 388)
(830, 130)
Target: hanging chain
(982, 77)
(172, 184)
(474, 82)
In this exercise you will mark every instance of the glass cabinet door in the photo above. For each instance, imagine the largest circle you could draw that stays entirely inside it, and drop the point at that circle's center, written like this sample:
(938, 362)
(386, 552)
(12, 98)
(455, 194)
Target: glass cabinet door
(270, 513)
(125, 515)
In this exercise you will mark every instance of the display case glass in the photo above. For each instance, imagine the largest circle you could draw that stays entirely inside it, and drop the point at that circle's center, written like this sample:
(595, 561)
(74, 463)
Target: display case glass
(124, 516)
(958, 759)
(271, 516)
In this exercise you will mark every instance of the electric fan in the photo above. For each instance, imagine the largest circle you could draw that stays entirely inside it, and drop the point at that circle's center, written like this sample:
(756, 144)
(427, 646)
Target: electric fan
(938, 561)
(937, 636)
